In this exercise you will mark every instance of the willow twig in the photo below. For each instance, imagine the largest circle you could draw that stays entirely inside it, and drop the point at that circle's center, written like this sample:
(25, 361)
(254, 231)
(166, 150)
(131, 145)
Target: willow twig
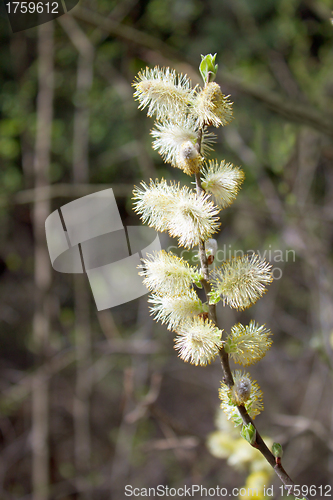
(259, 443)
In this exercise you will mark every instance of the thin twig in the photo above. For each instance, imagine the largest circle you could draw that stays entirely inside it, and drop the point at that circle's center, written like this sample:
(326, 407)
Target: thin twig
(259, 443)
(62, 190)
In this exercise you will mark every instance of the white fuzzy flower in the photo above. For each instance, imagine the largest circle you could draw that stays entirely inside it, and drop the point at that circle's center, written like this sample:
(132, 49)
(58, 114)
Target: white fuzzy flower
(194, 218)
(223, 180)
(248, 344)
(198, 341)
(155, 203)
(170, 136)
(211, 107)
(175, 309)
(163, 91)
(253, 404)
(180, 211)
(242, 281)
(165, 273)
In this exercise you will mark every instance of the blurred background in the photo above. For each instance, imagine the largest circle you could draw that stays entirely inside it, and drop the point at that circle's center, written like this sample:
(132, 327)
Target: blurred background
(91, 401)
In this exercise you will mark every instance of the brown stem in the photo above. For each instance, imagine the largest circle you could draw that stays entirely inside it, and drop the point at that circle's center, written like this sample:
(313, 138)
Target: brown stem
(259, 443)
(202, 251)
(42, 270)
(83, 334)
(227, 375)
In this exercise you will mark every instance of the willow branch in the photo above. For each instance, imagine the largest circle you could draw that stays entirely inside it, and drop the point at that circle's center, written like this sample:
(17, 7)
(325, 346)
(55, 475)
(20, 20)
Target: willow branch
(259, 443)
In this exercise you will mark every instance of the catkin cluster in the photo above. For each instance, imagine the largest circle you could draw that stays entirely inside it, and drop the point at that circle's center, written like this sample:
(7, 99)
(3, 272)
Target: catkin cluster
(182, 137)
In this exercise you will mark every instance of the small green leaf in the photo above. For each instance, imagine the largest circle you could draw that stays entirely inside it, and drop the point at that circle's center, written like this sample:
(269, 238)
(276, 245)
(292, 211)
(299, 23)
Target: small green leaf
(197, 280)
(277, 450)
(229, 346)
(249, 433)
(208, 67)
(214, 298)
(205, 307)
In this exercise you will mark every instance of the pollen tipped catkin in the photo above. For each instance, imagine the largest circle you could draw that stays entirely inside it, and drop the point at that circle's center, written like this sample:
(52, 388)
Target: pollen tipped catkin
(165, 273)
(248, 344)
(212, 107)
(194, 218)
(175, 309)
(222, 180)
(163, 92)
(198, 341)
(242, 281)
(183, 213)
(154, 203)
(170, 136)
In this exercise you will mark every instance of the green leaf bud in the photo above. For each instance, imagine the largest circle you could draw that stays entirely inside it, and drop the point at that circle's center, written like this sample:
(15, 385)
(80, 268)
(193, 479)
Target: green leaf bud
(277, 450)
(214, 298)
(249, 433)
(208, 67)
(229, 346)
(196, 277)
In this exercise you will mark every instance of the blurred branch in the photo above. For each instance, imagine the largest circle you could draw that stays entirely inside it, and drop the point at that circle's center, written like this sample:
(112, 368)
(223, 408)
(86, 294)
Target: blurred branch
(171, 443)
(285, 107)
(142, 407)
(135, 148)
(181, 446)
(84, 78)
(134, 347)
(124, 32)
(117, 14)
(300, 424)
(289, 109)
(21, 389)
(124, 442)
(273, 59)
(83, 342)
(108, 325)
(60, 190)
(42, 271)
